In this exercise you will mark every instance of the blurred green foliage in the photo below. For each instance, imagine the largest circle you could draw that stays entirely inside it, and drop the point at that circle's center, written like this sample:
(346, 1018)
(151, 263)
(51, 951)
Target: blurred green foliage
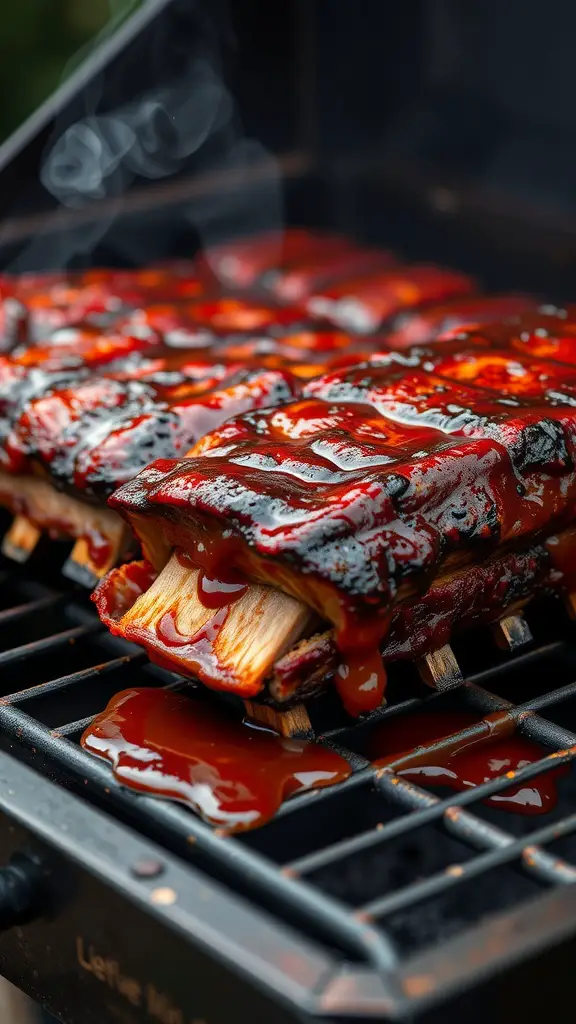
(40, 40)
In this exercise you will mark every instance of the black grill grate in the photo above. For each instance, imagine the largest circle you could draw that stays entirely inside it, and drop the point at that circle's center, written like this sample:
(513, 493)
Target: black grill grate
(357, 864)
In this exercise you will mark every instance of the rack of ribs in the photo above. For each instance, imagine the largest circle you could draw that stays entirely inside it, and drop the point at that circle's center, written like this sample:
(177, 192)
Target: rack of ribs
(68, 447)
(448, 319)
(364, 305)
(391, 502)
(85, 404)
(32, 306)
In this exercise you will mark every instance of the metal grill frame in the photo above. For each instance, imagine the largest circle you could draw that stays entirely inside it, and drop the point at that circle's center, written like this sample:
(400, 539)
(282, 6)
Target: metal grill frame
(368, 977)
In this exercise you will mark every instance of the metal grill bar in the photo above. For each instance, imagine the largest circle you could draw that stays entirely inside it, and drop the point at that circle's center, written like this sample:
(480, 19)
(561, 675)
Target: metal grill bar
(546, 700)
(539, 729)
(187, 832)
(438, 883)
(388, 711)
(521, 658)
(62, 682)
(478, 832)
(360, 777)
(433, 812)
(71, 727)
(19, 611)
(49, 643)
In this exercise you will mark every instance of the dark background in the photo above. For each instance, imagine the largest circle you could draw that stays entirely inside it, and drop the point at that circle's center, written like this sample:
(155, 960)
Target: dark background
(40, 41)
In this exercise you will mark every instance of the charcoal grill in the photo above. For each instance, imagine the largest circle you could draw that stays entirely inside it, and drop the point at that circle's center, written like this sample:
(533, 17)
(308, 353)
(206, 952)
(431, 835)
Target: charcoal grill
(375, 899)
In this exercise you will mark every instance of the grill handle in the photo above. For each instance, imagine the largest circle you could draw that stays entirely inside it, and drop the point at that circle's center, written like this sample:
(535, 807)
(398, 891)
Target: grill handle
(22, 890)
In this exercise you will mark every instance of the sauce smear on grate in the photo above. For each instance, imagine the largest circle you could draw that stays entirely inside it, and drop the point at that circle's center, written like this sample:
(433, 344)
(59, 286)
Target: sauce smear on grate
(233, 774)
(468, 760)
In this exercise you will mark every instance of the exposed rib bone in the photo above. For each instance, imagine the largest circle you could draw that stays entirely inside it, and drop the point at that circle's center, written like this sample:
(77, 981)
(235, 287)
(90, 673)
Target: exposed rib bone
(440, 669)
(100, 533)
(512, 632)
(294, 722)
(237, 644)
(21, 539)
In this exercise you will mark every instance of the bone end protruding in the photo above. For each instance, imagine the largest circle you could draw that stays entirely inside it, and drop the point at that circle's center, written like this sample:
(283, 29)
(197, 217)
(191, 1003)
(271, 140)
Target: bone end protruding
(21, 539)
(440, 669)
(245, 642)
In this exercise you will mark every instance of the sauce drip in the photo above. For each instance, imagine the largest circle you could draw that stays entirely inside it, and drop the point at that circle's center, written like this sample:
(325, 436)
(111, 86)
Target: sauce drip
(99, 547)
(233, 775)
(198, 650)
(216, 593)
(491, 748)
(361, 681)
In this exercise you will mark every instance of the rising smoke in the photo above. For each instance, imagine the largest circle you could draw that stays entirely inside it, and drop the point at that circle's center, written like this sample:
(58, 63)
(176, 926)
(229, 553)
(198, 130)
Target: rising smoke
(185, 122)
(152, 137)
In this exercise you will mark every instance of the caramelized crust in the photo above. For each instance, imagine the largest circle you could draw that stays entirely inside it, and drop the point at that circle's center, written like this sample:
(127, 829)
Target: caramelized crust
(33, 306)
(358, 493)
(364, 304)
(421, 326)
(456, 601)
(93, 435)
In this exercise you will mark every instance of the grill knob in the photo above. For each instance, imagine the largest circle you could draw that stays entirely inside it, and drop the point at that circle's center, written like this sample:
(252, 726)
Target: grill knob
(21, 890)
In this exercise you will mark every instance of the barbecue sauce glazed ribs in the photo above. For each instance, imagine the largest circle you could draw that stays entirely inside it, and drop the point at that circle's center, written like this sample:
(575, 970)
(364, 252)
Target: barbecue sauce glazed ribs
(111, 369)
(53, 409)
(364, 304)
(382, 478)
(85, 438)
(259, 261)
(444, 320)
(107, 369)
(33, 306)
(101, 431)
(456, 601)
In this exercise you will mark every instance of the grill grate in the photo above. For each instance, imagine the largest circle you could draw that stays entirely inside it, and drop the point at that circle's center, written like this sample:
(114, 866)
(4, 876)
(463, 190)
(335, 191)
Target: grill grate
(332, 861)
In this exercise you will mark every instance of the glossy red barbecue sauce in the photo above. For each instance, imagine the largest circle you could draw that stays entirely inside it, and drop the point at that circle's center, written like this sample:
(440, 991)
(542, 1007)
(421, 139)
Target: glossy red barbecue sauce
(134, 420)
(213, 592)
(99, 547)
(234, 775)
(360, 679)
(489, 749)
(448, 319)
(199, 650)
(197, 655)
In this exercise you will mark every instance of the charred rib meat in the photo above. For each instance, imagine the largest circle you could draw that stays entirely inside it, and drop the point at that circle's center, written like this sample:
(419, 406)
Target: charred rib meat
(381, 479)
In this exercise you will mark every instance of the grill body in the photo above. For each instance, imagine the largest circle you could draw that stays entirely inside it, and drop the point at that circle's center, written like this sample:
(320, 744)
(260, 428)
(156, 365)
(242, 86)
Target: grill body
(375, 899)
